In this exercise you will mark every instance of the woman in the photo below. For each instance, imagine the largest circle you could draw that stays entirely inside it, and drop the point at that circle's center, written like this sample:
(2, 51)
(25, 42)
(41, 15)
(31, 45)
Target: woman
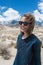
(28, 45)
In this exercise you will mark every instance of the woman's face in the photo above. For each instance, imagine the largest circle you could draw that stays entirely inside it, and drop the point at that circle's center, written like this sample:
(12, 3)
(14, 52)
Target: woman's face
(24, 26)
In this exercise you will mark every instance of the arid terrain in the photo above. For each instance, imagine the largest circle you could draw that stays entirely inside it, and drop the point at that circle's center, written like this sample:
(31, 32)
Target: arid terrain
(9, 35)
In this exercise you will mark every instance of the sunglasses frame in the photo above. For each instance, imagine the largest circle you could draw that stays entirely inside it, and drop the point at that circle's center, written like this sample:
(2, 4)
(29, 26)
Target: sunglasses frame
(25, 23)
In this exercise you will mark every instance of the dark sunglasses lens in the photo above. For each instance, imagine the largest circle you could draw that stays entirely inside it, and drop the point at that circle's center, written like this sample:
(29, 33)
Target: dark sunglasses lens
(20, 22)
(24, 23)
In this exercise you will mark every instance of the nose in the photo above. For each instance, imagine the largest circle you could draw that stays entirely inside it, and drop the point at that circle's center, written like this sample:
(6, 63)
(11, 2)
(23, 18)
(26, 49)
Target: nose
(22, 24)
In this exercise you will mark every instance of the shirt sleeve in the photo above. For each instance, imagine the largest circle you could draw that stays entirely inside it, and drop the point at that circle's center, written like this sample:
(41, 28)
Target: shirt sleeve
(37, 53)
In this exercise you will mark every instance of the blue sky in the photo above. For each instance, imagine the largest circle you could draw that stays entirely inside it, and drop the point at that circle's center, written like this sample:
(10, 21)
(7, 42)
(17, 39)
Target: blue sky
(22, 6)
(13, 9)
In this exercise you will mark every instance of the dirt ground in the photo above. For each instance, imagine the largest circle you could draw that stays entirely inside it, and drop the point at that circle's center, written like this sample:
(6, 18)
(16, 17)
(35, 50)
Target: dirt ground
(11, 60)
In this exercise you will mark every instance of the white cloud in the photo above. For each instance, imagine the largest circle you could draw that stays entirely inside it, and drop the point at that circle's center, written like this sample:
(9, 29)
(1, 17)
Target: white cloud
(1, 18)
(38, 16)
(38, 13)
(40, 6)
(9, 15)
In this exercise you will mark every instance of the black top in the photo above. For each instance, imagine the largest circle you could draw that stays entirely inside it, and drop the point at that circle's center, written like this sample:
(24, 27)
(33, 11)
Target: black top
(28, 51)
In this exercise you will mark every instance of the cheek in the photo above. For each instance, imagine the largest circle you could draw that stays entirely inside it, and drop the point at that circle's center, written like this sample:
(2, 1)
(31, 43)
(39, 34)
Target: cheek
(28, 28)
(22, 26)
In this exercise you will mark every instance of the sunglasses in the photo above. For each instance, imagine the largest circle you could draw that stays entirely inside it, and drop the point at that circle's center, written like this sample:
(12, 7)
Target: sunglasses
(25, 23)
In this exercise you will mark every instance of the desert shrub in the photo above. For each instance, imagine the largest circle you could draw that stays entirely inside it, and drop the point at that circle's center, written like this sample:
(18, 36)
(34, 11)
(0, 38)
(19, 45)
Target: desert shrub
(42, 45)
(14, 45)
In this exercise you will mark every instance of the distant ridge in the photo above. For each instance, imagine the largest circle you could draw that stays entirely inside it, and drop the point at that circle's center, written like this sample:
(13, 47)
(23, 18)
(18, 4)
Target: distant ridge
(16, 23)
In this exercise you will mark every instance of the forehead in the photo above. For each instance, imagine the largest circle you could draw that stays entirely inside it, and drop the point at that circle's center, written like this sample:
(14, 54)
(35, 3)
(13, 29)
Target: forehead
(24, 19)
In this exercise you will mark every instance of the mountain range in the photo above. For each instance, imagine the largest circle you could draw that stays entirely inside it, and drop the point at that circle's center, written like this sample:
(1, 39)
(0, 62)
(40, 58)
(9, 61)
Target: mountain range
(16, 23)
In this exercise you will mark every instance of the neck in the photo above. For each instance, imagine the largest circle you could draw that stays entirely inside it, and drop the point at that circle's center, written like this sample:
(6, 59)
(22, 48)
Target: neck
(26, 35)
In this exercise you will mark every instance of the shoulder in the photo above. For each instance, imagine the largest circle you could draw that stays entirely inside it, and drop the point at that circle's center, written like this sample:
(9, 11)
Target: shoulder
(36, 40)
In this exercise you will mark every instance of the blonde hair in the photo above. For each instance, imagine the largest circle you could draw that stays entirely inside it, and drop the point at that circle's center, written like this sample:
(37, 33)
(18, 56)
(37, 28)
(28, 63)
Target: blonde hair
(29, 16)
